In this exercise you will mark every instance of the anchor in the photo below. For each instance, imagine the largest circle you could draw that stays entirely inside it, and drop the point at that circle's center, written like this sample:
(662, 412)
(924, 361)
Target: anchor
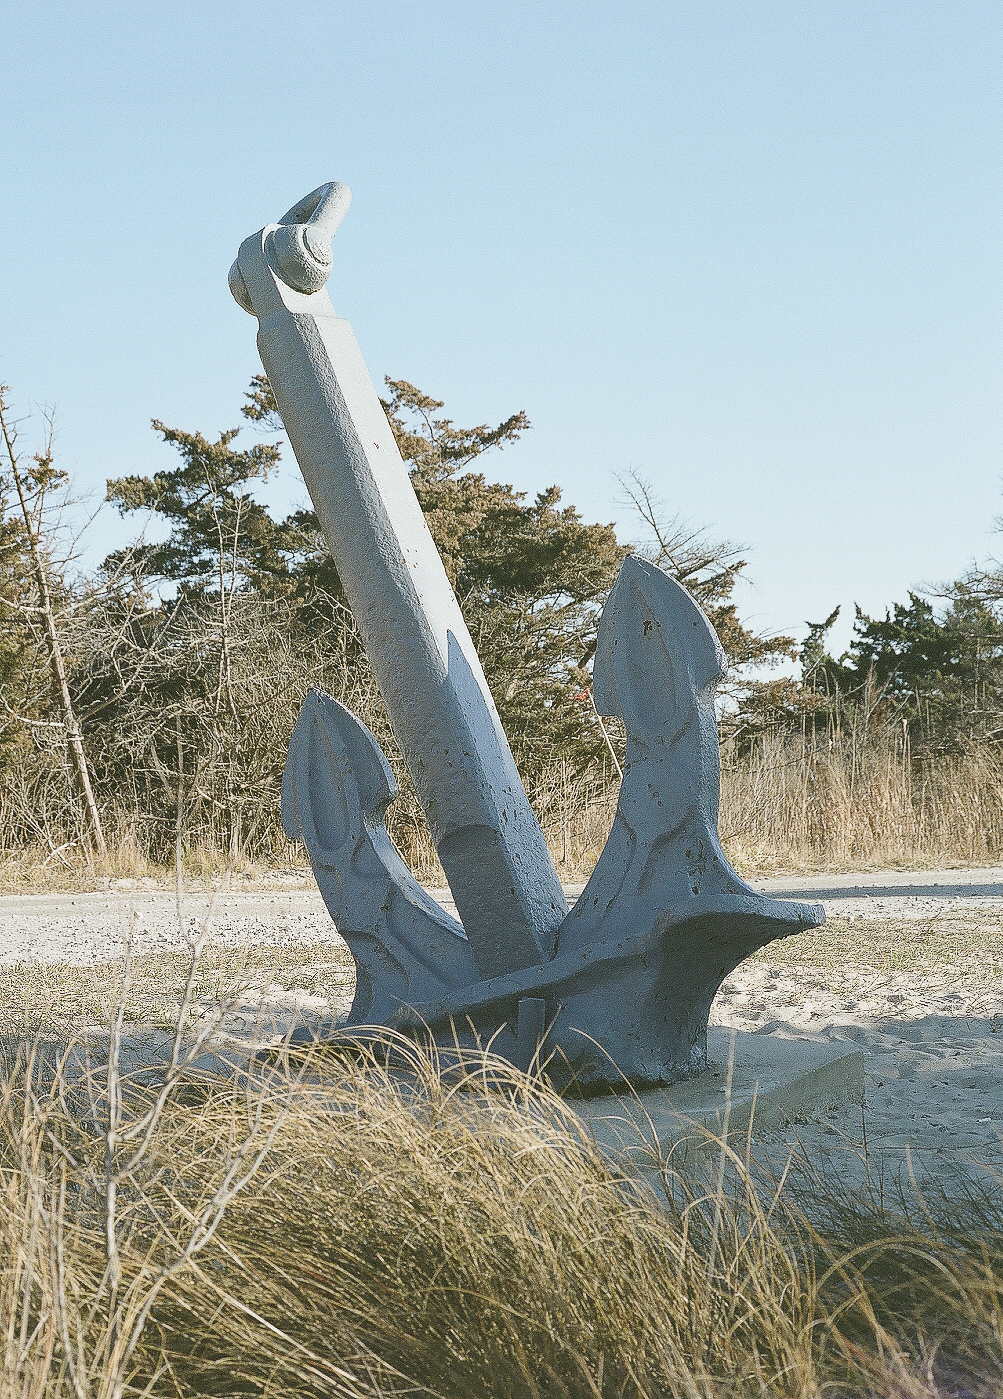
(618, 988)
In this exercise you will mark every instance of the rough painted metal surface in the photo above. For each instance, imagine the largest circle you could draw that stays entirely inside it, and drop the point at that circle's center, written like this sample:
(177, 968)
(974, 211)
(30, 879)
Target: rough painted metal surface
(621, 986)
(488, 840)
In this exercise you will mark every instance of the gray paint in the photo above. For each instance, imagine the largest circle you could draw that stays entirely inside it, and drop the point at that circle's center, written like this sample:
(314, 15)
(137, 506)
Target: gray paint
(488, 840)
(335, 792)
(620, 987)
(664, 918)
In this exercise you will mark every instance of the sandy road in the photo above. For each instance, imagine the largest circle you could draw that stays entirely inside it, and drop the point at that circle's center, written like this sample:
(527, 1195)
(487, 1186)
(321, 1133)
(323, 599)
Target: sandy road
(82, 929)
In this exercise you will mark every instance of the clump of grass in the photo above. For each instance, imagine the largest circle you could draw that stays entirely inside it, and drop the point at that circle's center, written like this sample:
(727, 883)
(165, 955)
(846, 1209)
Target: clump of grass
(476, 1242)
(326, 1227)
(910, 1280)
(854, 801)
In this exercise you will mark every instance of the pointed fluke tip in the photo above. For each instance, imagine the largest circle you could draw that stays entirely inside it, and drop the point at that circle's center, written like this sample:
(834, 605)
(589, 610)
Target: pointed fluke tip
(643, 593)
(333, 757)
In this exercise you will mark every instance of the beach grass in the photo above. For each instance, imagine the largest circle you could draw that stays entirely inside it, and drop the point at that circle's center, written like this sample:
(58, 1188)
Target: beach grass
(326, 1228)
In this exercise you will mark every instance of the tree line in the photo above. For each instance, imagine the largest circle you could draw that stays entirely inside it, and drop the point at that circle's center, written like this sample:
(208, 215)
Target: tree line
(152, 698)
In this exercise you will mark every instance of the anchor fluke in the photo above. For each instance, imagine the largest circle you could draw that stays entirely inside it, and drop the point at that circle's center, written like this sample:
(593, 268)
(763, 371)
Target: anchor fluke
(336, 789)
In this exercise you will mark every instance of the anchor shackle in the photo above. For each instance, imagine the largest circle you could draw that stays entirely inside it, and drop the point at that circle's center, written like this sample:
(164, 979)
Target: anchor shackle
(300, 243)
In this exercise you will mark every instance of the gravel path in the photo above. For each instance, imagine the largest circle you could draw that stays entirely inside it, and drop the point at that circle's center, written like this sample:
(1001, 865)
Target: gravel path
(85, 929)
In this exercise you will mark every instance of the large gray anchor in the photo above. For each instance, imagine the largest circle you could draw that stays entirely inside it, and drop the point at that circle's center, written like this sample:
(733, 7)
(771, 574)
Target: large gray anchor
(621, 986)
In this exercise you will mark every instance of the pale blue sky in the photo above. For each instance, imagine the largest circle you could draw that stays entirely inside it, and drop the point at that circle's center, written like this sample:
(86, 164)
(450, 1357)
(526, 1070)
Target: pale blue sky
(748, 249)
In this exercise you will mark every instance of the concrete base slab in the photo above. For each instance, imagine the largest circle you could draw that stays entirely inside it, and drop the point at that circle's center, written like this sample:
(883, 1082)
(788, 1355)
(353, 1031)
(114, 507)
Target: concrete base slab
(774, 1080)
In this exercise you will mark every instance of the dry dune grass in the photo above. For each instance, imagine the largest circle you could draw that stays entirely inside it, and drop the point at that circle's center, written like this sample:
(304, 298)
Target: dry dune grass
(850, 804)
(330, 1229)
(845, 802)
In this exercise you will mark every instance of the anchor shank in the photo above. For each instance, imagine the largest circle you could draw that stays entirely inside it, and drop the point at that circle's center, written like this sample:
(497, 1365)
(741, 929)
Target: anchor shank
(488, 840)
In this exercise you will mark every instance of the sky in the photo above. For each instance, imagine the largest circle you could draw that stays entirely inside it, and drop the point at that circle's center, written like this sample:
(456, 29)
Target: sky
(748, 250)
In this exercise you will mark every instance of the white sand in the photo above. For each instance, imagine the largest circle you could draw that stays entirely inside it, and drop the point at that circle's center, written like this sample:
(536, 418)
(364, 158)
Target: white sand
(932, 1028)
(932, 1031)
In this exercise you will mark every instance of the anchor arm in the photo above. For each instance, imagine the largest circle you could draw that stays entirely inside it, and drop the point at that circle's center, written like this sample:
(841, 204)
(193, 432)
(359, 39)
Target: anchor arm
(336, 789)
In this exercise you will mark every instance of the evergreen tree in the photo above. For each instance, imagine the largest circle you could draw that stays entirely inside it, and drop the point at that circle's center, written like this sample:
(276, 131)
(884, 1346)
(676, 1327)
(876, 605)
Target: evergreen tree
(940, 672)
(221, 537)
(530, 578)
(260, 614)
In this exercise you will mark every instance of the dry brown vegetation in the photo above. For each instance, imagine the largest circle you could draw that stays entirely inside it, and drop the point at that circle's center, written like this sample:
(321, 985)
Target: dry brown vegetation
(145, 711)
(848, 804)
(328, 1228)
(789, 804)
(332, 1229)
(817, 803)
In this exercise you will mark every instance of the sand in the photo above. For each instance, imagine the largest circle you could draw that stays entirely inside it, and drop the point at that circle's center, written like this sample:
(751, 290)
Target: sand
(909, 968)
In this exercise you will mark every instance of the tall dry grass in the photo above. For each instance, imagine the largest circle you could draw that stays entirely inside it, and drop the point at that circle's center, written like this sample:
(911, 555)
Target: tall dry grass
(847, 801)
(851, 802)
(332, 1229)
